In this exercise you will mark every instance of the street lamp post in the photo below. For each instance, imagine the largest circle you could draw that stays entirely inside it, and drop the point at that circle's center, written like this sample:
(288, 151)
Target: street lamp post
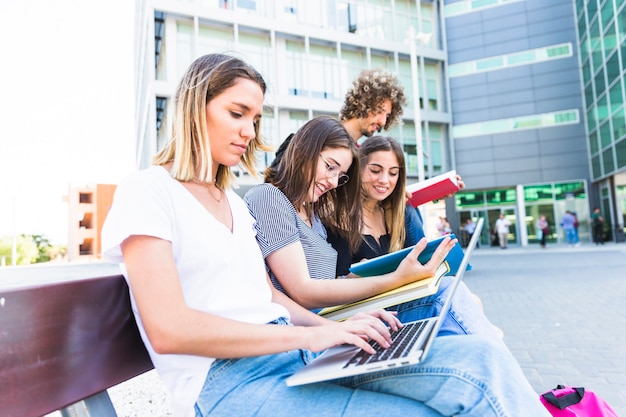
(423, 38)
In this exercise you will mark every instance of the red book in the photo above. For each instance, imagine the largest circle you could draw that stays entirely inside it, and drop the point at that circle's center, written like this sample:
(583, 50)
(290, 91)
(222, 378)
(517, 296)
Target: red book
(434, 188)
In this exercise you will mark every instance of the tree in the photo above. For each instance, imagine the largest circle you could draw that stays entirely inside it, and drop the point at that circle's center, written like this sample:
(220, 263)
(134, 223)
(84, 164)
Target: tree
(26, 250)
(30, 249)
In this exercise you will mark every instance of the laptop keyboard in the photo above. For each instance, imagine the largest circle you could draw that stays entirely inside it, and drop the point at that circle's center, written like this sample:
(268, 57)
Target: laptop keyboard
(402, 341)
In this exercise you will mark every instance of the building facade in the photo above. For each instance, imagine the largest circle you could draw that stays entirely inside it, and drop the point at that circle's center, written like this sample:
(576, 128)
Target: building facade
(494, 87)
(601, 29)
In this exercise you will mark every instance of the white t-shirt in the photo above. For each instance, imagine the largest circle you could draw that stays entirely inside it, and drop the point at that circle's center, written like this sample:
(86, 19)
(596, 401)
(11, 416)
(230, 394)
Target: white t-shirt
(222, 273)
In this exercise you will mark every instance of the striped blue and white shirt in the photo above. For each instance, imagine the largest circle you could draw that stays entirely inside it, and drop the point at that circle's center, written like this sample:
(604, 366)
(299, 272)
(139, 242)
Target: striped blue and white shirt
(278, 225)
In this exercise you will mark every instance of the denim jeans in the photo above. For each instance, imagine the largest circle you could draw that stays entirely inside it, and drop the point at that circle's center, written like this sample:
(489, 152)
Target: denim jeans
(572, 237)
(465, 315)
(469, 375)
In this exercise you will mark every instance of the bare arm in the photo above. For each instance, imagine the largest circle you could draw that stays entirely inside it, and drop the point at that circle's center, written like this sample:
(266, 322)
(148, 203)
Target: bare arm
(173, 327)
(289, 266)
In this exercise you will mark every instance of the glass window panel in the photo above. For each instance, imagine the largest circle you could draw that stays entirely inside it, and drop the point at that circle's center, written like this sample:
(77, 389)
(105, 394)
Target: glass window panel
(605, 134)
(495, 126)
(620, 151)
(184, 45)
(603, 109)
(324, 76)
(615, 96)
(593, 142)
(483, 3)
(375, 19)
(565, 117)
(433, 96)
(582, 30)
(592, 120)
(600, 83)
(405, 17)
(587, 74)
(353, 61)
(610, 41)
(404, 76)
(607, 13)
(436, 159)
(297, 68)
(467, 199)
(256, 47)
(567, 190)
(410, 147)
(592, 7)
(613, 69)
(215, 39)
(579, 7)
(296, 119)
(521, 57)
(557, 51)
(527, 122)
(463, 68)
(608, 161)
(596, 169)
(500, 197)
(541, 192)
(380, 60)
(619, 125)
(489, 63)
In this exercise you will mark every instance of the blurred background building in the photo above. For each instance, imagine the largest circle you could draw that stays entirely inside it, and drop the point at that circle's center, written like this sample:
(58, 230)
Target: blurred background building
(524, 98)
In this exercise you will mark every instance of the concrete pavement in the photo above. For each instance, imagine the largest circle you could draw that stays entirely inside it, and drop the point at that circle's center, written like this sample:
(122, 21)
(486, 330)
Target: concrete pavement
(563, 313)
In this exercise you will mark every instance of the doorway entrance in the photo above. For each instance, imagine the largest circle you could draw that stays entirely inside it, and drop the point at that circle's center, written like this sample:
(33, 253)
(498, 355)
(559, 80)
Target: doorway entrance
(488, 236)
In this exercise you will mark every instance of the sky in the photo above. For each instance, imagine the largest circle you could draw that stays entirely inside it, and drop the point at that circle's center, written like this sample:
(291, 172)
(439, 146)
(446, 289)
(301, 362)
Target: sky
(66, 107)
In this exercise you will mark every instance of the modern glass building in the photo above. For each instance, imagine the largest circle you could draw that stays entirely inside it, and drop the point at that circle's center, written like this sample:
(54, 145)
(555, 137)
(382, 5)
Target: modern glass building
(601, 28)
(494, 88)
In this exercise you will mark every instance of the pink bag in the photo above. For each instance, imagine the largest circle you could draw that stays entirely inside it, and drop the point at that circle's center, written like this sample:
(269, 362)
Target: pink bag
(565, 401)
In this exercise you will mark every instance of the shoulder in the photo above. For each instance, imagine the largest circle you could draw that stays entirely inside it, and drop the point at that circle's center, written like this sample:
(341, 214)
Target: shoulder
(153, 181)
(263, 192)
(266, 200)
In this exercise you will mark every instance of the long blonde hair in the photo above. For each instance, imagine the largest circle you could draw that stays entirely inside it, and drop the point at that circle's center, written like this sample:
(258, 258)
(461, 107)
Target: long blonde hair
(189, 148)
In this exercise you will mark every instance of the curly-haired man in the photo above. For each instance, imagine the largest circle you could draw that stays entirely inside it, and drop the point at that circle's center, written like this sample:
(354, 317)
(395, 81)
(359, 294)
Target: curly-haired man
(372, 104)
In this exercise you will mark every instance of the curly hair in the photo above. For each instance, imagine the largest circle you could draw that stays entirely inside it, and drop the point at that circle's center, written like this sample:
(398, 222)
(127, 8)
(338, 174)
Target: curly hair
(369, 90)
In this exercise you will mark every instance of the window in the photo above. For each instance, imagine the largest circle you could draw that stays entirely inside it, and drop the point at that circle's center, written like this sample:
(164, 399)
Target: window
(511, 60)
(297, 69)
(535, 121)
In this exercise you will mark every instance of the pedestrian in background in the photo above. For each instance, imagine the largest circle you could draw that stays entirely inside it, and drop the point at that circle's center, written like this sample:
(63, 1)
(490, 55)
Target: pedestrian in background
(597, 222)
(469, 228)
(568, 224)
(543, 230)
(502, 229)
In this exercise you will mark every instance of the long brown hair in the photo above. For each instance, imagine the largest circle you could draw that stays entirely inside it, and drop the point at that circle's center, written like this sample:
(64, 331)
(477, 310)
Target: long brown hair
(395, 204)
(189, 148)
(339, 208)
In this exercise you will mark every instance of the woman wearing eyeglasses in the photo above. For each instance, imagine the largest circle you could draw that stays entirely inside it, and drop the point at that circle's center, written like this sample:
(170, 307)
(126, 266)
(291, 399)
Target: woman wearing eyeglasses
(318, 179)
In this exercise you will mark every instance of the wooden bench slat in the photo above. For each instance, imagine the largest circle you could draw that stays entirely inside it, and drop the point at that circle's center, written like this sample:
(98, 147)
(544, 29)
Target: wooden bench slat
(63, 342)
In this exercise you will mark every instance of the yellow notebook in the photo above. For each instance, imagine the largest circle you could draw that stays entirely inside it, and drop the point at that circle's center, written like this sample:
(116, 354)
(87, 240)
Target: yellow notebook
(409, 292)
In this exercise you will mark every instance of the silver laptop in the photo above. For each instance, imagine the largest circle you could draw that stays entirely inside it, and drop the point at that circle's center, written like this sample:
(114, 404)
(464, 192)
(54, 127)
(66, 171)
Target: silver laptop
(410, 344)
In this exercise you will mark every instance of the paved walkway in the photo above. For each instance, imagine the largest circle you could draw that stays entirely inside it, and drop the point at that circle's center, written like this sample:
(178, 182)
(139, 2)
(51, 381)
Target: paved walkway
(563, 313)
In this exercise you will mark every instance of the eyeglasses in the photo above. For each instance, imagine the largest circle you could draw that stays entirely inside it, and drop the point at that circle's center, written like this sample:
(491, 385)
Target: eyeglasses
(333, 171)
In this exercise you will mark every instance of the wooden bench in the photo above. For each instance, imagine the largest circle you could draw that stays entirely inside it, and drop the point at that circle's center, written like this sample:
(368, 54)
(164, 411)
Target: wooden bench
(67, 334)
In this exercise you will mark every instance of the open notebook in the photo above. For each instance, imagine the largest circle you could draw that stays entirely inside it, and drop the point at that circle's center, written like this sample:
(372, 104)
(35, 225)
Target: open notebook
(410, 346)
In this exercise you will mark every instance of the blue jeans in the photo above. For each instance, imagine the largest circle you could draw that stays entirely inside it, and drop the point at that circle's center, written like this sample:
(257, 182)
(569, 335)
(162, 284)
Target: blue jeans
(571, 235)
(472, 375)
(465, 315)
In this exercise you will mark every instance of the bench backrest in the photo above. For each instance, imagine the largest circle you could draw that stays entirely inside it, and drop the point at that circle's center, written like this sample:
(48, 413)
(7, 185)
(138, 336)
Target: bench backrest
(65, 341)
